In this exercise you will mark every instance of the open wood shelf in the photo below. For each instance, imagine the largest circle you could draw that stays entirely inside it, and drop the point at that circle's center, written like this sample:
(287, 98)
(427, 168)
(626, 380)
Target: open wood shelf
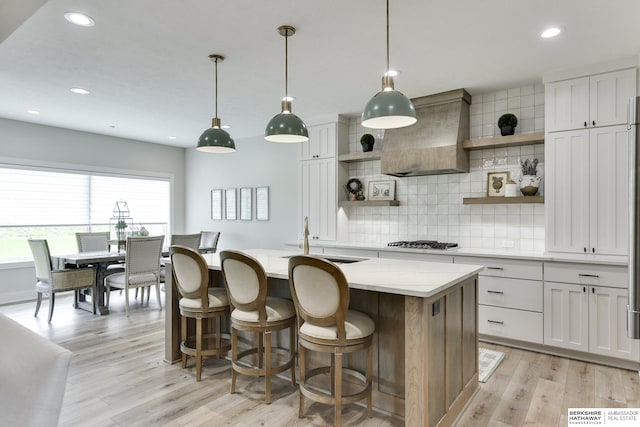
(501, 200)
(359, 157)
(368, 203)
(504, 141)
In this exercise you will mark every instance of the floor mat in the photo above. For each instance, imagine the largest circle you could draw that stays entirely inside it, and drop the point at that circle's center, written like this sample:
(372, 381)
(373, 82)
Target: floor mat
(488, 361)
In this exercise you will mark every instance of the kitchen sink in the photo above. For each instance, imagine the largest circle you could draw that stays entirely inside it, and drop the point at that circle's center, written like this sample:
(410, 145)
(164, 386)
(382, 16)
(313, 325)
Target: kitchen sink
(335, 259)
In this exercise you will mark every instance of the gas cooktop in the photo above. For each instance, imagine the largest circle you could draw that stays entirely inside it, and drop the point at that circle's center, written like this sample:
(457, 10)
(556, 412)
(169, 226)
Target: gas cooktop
(422, 244)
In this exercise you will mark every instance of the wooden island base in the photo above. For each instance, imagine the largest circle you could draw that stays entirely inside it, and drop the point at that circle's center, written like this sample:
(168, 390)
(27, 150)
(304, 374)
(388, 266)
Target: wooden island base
(425, 357)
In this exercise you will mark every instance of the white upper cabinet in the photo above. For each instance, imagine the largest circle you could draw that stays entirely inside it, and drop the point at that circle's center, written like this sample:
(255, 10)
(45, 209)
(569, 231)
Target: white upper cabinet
(321, 144)
(567, 104)
(586, 102)
(586, 191)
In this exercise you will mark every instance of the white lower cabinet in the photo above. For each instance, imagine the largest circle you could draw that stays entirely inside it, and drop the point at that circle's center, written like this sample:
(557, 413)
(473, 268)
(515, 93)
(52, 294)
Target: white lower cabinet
(509, 298)
(584, 317)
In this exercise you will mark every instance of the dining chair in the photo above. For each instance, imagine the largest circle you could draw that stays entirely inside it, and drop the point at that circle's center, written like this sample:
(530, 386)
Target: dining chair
(255, 312)
(97, 242)
(142, 268)
(50, 281)
(189, 240)
(325, 324)
(209, 241)
(198, 301)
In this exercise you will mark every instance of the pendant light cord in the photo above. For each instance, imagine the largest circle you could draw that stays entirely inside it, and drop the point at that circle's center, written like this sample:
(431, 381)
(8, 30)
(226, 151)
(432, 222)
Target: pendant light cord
(216, 91)
(387, 71)
(286, 66)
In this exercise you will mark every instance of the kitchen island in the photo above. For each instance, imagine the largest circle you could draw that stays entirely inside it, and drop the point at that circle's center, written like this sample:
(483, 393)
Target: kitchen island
(426, 340)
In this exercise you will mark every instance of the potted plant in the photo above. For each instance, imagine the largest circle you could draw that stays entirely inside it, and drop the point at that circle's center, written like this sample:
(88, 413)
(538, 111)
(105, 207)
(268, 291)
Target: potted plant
(530, 181)
(507, 124)
(367, 142)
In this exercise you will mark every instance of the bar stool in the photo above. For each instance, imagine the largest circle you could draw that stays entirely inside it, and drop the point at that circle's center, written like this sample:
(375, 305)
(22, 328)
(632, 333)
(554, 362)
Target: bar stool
(198, 301)
(253, 311)
(325, 324)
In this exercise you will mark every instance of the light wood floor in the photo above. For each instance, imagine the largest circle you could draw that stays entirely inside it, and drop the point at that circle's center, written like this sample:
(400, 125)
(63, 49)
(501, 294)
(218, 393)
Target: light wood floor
(118, 378)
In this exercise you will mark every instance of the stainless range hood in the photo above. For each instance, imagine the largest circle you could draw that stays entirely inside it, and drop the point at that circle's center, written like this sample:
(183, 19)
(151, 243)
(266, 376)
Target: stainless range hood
(434, 144)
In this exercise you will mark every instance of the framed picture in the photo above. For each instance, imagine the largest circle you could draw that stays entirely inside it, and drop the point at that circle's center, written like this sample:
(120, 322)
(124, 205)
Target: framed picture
(216, 204)
(382, 190)
(245, 204)
(496, 183)
(262, 203)
(230, 204)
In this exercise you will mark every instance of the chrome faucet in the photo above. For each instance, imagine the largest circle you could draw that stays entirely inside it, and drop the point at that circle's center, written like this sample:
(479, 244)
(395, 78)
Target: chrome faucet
(305, 244)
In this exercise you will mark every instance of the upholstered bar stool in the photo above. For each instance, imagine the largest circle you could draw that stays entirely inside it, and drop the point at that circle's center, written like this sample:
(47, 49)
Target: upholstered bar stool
(253, 311)
(198, 301)
(325, 324)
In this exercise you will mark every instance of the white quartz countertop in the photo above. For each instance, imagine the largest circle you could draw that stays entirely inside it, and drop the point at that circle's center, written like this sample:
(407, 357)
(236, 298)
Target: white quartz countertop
(394, 276)
(475, 252)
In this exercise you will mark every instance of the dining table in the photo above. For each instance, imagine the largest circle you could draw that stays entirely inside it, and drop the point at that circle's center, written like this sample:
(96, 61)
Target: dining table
(100, 260)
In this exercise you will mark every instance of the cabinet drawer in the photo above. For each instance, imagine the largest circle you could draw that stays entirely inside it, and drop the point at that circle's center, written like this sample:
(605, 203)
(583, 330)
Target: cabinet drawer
(500, 267)
(510, 293)
(510, 323)
(586, 274)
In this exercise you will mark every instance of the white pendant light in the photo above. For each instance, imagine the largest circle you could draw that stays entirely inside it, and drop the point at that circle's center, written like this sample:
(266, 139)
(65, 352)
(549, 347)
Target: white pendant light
(389, 108)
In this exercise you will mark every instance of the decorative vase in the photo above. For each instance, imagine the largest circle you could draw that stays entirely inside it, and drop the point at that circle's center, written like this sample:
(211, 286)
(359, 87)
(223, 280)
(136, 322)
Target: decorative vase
(529, 185)
(507, 130)
(367, 147)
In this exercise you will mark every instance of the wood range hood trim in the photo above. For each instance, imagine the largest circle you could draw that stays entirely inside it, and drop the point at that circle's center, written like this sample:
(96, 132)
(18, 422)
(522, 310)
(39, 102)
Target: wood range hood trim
(434, 144)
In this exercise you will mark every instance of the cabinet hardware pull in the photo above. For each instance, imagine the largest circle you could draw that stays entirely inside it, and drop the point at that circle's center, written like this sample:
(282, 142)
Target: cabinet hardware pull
(495, 321)
(593, 250)
(585, 250)
(593, 290)
(587, 275)
(584, 289)
(495, 268)
(594, 122)
(495, 292)
(585, 124)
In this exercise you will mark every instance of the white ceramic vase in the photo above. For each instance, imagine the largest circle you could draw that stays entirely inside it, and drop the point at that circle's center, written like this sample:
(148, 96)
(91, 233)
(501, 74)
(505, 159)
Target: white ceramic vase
(529, 185)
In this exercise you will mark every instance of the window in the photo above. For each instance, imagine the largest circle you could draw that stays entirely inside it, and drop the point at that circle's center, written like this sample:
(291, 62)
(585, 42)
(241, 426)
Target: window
(54, 205)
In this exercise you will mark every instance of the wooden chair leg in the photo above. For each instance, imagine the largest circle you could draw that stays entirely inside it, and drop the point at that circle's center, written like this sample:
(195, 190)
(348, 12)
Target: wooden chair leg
(260, 349)
(183, 335)
(217, 326)
(198, 349)
(234, 357)
(267, 364)
(38, 302)
(303, 377)
(108, 292)
(292, 353)
(338, 390)
(369, 376)
(52, 303)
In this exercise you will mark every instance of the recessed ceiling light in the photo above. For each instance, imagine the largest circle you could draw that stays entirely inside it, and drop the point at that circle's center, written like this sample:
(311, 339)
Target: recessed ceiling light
(550, 32)
(79, 19)
(79, 91)
(34, 112)
(173, 137)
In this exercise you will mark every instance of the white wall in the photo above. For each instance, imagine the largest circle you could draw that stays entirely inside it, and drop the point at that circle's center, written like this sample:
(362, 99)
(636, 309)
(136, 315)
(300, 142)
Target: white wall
(32, 144)
(256, 163)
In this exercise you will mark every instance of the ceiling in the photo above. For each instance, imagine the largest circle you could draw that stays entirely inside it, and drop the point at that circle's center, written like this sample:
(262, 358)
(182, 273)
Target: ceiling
(146, 61)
